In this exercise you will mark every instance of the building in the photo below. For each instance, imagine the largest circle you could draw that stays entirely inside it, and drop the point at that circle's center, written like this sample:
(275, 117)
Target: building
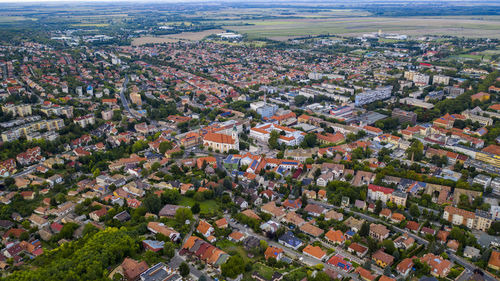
(439, 266)
(441, 79)
(381, 193)
(136, 98)
(370, 96)
(84, 121)
(398, 197)
(21, 110)
(404, 116)
(418, 78)
(459, 217)
(379, 231)
(382, 259)
(494, 262)
(221, 142)
(481, 96)
(264, 109)
(160, 271)
(288, 136)
(482, 180)
(315, 252)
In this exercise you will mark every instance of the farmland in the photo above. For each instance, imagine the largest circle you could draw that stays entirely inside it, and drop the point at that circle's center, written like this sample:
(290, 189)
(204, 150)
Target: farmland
(184, 36)
(282, 29)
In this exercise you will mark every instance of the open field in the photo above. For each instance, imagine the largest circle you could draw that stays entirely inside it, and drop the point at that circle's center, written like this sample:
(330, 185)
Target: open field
(282, 29)
(184, 36)
(207, 206)
(9, 19)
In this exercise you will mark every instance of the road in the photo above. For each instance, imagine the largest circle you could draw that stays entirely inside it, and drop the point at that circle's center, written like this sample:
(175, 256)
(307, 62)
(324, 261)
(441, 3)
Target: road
(123, 98)
(288, 251)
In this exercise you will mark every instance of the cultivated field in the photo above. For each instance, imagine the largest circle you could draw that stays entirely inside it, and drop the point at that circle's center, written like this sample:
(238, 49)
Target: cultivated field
(282, 29)
(184, 36)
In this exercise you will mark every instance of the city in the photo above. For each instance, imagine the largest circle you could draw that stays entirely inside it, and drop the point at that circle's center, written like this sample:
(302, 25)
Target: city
(199, 142)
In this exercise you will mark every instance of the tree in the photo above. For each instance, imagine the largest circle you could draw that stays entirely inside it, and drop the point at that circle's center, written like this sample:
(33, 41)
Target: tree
(164, 146)
(378, 206)
(273, 139)
(196, 208)
(415, 151)
(170, 196)
(202, 278)
(365, 229)
(169, 250)
(234, 266)
(263, 246)
(152, 203)
(182, 215)
(309, 140)
(184, 269)
(414, 211)
(389, 246)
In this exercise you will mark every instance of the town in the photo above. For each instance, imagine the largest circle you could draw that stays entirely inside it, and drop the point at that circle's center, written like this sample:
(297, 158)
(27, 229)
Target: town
(373, 157)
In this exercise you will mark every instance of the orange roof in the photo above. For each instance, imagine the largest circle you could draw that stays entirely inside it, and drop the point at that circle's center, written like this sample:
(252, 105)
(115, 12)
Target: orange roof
(190, 242)
(218, 138)
(494, 259)
(314, 251)
(385, 278)
(272, 252)
(251, 214)
(203, 227)
(236, 235)
(493, 149)
(221, 223)
(335, 236)
(495, 107)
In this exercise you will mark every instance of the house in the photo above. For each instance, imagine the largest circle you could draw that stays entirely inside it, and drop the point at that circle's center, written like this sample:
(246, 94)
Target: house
(292, 204)
(168, 211)
(494, 262)
(293, 218)
(365, 274)
(273, 252)
(427, 230)
(354, 223)
(333, 215)
(339, 262)
(379, 231)
(385, 213)
(251, 214)
(314, 251)
(439, 266)
(312, 230)
(382, 259)
(404, 267)
(412, 226)
(335, 236)
(453, 245)
(159, 271)
(205, 229)
(404, 242)
(471, 252)
(157, 227)
(222, 223)
(241, 203)
(397, 218)
(289, 240)
(131, 269)
(153, 245)
(236, 236)
(97, 215)
(357, 249)
(272, 209)
(314, 210)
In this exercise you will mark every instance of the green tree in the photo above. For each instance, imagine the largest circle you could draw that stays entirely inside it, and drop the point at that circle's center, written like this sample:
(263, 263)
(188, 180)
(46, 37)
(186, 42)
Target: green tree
(415, 151)
(196, 208)
(414, 211)
(273, 139)
(184, 269)
(164, 146)
(152, 203)
(234, 266)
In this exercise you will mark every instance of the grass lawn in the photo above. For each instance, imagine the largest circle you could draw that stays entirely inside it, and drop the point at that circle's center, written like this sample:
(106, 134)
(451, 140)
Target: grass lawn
(207, 207)
(233, 248)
